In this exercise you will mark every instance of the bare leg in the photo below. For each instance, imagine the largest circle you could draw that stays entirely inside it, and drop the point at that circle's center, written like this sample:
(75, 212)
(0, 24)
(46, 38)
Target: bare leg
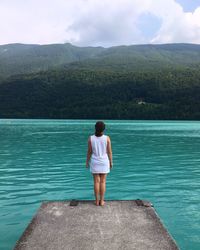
(96, 187)
(102, 188)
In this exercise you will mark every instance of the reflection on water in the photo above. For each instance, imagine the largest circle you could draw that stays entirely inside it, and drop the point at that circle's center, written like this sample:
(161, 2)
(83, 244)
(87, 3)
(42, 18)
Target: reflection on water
(153, 160)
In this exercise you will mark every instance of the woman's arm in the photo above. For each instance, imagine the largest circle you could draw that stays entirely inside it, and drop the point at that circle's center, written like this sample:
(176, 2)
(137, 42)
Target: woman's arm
(109, 151)
(89, 153)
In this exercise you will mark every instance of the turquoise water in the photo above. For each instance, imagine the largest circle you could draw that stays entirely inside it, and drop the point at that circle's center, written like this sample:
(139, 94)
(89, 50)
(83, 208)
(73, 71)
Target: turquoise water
(153, 160)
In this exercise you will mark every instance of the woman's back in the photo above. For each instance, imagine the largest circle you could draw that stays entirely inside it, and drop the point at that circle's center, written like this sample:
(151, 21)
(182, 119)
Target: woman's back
(99, 146)
(99, 162)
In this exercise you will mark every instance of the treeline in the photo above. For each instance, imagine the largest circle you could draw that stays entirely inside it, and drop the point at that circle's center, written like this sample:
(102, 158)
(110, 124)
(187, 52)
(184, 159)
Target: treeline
(96, 94)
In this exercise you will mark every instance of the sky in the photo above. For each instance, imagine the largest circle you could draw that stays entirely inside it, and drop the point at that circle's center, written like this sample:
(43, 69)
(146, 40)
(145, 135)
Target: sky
(99, 22)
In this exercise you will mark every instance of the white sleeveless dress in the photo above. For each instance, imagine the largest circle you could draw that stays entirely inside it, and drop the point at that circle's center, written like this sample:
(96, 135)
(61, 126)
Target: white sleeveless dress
(99, 161)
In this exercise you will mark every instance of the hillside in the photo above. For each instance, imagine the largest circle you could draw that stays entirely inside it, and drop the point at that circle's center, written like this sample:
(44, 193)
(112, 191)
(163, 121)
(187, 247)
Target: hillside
(143, 57)
(25, 58)
(125, 82)
(30, 58)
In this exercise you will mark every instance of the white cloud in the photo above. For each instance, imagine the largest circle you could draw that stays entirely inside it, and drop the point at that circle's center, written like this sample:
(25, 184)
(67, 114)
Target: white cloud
(95, 22)
(177, 26)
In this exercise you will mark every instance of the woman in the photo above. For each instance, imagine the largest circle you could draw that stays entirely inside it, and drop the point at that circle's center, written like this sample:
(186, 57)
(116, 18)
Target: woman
(99, 156)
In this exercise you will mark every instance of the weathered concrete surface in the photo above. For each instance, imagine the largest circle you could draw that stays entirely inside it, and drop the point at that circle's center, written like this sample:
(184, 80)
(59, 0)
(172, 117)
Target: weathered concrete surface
(124, 224)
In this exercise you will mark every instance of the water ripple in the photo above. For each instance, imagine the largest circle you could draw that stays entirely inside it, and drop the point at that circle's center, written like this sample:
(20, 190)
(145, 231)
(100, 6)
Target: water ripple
(45, 160)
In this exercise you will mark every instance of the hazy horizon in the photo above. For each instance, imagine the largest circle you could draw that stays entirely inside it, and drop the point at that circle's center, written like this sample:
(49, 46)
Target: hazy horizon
(120, 45)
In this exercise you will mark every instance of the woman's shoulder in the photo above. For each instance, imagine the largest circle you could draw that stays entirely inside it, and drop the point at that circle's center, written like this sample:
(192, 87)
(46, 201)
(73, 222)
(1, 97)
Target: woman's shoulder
(107, 137)
(89, 137)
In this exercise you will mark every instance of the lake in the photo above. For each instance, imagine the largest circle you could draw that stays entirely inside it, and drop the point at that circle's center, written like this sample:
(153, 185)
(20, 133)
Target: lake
(44, 160)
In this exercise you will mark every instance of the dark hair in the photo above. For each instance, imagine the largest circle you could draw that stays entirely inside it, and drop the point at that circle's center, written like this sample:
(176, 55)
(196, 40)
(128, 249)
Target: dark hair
(99, 128)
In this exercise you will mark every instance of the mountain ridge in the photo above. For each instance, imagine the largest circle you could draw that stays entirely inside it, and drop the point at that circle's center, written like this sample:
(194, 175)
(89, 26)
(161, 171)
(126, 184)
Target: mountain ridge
(128, 82)
(30, 58)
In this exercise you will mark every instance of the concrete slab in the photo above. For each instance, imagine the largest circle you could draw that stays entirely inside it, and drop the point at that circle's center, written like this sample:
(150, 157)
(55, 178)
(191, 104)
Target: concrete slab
(124, 224)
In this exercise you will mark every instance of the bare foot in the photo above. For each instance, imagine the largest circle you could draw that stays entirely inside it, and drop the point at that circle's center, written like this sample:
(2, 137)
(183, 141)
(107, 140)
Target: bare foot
(101, 203)
(96, 203)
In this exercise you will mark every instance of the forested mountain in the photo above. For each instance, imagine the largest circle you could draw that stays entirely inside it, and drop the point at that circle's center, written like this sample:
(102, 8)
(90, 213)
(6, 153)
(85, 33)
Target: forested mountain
(143, 57)
(25, 58)
(125, 82)
(29, 58)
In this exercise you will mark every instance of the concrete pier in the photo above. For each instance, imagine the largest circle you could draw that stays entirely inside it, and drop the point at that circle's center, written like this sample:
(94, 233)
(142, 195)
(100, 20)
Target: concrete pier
(81, 225)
